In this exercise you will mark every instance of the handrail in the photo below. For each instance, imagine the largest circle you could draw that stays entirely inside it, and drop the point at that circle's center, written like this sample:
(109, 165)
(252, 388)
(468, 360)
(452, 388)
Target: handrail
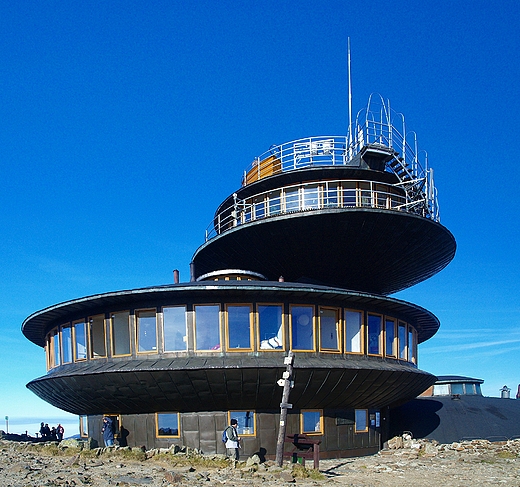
(312, 196)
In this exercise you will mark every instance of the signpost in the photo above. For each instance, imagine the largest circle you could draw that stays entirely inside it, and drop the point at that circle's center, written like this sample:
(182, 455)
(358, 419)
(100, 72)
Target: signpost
(7, 424)
(286, 382)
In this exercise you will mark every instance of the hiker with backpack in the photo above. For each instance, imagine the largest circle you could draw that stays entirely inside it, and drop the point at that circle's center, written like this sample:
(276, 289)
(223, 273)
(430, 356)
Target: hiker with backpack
(232, 440)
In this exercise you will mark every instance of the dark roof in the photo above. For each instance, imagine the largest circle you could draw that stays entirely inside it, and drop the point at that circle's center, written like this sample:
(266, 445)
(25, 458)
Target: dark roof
(36, 326)
(454, 379)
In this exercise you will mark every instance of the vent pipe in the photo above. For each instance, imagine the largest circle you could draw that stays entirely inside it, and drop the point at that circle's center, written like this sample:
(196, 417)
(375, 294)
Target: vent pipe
(176, 276)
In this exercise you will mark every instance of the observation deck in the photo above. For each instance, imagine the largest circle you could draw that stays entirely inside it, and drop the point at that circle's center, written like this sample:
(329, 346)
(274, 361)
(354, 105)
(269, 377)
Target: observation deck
(361, 211)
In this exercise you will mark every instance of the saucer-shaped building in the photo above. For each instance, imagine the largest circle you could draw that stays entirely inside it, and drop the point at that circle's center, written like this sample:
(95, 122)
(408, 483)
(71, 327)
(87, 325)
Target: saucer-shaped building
(301, 258)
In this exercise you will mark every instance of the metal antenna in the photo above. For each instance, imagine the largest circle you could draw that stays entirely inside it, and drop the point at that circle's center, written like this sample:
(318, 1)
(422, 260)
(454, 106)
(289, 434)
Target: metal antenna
(349, 95)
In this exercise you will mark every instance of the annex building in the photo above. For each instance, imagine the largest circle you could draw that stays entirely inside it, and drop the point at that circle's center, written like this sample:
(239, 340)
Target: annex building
(302, 257)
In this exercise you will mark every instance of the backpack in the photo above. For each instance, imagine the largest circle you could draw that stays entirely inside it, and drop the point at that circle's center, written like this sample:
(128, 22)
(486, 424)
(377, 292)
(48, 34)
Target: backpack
(224, 436)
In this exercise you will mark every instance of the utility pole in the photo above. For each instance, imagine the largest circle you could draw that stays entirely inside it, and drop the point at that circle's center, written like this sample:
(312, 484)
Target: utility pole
(287, 382)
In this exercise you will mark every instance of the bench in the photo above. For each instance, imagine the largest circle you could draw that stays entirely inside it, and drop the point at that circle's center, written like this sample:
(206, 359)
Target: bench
(303, 447)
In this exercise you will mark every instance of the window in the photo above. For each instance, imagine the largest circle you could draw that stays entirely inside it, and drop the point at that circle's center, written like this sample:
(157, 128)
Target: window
(390, 345)
(175, 335)
(457, 389)
(349, 193)
(311, 422)
(97, 336)
(292, 199)
(207, 327)
(402, 340)
(146, 331)
(239, 327)
(477, 389)
(120, 333)
(329, 325)
(330, 194)
(310, 197)
(167, 425)
(246, 422)
(270, 327)
(374, 334)
(66, 344)
(354, 328)
(302, 328)
(412, 345)
(361, 420)
(80, 340)
(365, 194)
(83, 426)
(441, 390)
(275, 202)
(55, 348)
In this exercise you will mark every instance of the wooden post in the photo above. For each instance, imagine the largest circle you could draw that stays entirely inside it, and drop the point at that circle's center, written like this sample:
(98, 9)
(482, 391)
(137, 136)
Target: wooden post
(286, 382)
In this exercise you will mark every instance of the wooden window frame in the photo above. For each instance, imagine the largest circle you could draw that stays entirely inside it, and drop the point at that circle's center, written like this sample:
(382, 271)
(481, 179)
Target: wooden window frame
(313, 323)
(356, 430)
(231, 415)
(226, 327)
(405, 349)
(136, 320)
(310, 433)
(163, 332)
(90, 320)
(216, 350)
(112, 341)
(363, 345)
(257, 328)
(62, 344)
(394, 341)
(178, 435)
(339, 337)
(83, 426)
(380, 338)
(74, 340)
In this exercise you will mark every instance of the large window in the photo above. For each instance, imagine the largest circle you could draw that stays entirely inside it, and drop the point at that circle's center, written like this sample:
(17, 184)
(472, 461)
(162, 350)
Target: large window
(329, 329)
(311, 421)
(207, 327)
(374, 334)
(120, 333)
(239, 327)
(402, 340)
(97, 336)
(302, 328)
(361, 420)
(83, 426)
(55, 348)
(412, 345)
(354, 331)
(270, 326)
(246, 422)
(80, 340)
(66, 343)
(174, 322)
(146, 331)
(390, 341)
(167, 425)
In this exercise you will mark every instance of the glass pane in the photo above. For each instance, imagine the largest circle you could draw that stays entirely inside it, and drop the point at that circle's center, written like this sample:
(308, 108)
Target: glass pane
(441, 390)
(457, 389)
(330, 195)
(292, 200)
(311, 421)
(83, 426)
(97, 336)
(275, 203)
(81, 341)
(260, 209)
(329, 329)
(120, 334)
(477, 389)
(66, 343)
(361, 420)
(207, 327)
(174, 320)
(402, 340)
(270, 327)
(246, 421)
(349, 193)
(167, 424)
(56, 348)
(374, 332)
(310, 197)
(239, 326)
(410, 345)
(302, 328)
(146, 331)
(469, 389)
(353, 321)
(390, 337)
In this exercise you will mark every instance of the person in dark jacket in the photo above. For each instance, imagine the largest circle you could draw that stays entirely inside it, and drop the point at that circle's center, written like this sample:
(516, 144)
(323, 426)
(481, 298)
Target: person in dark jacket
(108, 431)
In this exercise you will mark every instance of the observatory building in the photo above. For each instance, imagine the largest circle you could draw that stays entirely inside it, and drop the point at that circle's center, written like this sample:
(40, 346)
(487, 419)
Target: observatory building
(302, 258)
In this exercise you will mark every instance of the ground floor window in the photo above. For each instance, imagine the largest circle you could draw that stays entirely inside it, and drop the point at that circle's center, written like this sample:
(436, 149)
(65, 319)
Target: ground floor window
(167, 425)
(83, 426)
(246, 422)
(311, 421)
(361, 420)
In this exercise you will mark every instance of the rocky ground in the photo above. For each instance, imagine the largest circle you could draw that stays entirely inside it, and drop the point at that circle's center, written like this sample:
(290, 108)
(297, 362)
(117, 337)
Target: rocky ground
(405, 463)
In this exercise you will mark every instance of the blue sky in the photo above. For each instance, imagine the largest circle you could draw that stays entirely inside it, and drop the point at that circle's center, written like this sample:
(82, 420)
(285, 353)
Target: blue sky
(125, 123)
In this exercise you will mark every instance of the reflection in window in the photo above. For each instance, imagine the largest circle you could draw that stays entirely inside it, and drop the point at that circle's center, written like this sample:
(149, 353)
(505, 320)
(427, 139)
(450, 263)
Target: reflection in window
(374, 333)
(174, 320)
(457, 389)
(80, 341)
(411, 345)
(390, 337)
(402, 340)
(146, 331)
(120, 333)
(239, 326)
(310, 197)
(55, 348)
(311, 421)
(83, 426)
(329, 329)
(361, 420)
(275, 203)
(441, 390)
(97, 336)
(349, 193)
(270, 326)
(167, 424)
(292, 199)
(66, 344)
(330, 194)
(354, 322)
(246, 422)
(207, 327)
(302, 328)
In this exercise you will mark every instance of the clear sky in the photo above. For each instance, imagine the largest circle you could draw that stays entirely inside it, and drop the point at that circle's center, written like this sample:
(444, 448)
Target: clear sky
(125, 123)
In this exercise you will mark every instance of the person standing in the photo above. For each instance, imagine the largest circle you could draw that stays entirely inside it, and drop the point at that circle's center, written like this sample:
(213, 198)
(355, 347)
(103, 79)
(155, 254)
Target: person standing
(108, 431)
(232, 440)
(59, 432)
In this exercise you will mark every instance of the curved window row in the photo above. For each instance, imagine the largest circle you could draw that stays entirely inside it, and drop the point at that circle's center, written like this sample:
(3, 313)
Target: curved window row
(229, 328)
(310, 196)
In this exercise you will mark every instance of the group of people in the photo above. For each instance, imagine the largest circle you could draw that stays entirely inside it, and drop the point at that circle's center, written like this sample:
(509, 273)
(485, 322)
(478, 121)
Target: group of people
(51, 434)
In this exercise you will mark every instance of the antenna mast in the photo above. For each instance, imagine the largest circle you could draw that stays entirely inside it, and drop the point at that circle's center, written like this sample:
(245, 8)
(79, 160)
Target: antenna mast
(349, 95)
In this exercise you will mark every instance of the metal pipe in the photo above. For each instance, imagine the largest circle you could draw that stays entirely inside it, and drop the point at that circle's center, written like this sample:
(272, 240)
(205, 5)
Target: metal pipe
(176, 276)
